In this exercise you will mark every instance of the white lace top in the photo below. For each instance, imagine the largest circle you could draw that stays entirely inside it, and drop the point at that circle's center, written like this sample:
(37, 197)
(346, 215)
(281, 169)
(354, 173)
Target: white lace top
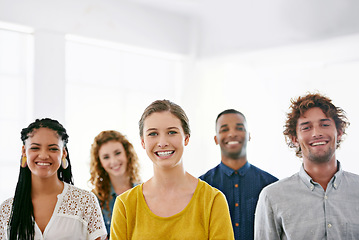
(77, 215)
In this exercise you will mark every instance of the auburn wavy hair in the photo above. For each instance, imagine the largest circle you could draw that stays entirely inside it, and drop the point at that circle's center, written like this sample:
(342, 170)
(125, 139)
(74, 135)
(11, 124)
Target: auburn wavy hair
(301, 104)
(99, 177)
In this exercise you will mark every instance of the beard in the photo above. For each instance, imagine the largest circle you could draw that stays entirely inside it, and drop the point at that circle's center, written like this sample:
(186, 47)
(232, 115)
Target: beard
(323, 157)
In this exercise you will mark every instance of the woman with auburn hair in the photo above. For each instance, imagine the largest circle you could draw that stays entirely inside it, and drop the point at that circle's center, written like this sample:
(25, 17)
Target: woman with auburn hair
(46, 205)
(114, 169)
(172, 204)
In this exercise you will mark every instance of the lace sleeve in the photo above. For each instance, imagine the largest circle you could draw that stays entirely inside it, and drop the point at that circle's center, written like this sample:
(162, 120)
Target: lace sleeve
(5, 211)
(94, 216)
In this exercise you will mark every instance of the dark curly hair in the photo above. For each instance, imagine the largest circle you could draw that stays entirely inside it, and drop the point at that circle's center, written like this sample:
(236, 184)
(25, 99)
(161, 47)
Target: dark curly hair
(300, 105)
(99, 178)
(21, 221)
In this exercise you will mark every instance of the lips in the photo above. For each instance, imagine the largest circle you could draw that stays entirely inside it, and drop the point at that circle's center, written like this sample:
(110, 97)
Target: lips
(318, 143)
(43, 163)
(164, 153)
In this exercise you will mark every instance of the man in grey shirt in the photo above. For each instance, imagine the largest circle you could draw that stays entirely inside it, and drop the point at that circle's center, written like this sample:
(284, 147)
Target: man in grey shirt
(322, 200)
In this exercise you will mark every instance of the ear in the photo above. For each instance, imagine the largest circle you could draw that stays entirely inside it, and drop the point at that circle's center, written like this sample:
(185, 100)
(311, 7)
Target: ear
(64, 153)
(295, 141)
(216, 140)
(186, 140)
(143, 143)
(340, 135)
(23, 150)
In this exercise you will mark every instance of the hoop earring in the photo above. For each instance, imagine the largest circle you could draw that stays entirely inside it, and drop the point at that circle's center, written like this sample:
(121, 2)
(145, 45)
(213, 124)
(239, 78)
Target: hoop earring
(23, 161)
(64, 163)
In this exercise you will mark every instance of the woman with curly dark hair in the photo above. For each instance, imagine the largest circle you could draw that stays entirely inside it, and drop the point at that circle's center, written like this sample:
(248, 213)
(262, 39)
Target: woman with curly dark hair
(114, 169)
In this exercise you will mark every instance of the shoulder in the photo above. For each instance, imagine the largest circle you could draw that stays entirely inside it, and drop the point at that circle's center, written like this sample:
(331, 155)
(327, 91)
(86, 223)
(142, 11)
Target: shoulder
(77, 202)
(262, 173)
(210, 173)
(81, 194)
(351, 176)
(206, 190)
(282, 187)
(5, 208)
(131, 194)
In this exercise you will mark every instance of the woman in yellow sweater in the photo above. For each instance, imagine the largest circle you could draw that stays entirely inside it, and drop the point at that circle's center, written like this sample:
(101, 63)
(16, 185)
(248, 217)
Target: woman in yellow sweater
(172, 204)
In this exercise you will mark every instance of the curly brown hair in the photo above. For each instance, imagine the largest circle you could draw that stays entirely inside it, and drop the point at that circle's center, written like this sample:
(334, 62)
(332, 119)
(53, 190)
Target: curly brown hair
(99, 177)
(300, 105)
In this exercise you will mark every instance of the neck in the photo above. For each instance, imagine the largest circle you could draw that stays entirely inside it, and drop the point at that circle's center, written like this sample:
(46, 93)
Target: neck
(120, 183)
(321, 172)
(235, 164)
(169, 177)
(47, 186)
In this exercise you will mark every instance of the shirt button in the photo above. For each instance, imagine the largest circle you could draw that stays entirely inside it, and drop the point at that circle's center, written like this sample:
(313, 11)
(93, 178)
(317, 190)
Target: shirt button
(329, 225)
(325, 197)
(235, 185)
(236, 204)
(237, 224)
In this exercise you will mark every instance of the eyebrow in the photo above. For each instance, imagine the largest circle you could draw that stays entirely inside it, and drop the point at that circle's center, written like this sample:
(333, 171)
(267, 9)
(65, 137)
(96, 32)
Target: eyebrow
(155, 129)
(237, 124)
(50, 145)
(321, 120)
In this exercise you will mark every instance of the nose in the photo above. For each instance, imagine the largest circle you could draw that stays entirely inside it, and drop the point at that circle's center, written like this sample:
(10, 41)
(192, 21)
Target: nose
(43, 154)
(232, 133)
(162, 143)
(316, 131)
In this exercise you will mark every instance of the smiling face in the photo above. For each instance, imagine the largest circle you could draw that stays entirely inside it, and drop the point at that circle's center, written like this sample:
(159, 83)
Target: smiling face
(113, 158)
(44, 151)
(164, 139)
(232, 135)
(317, 136)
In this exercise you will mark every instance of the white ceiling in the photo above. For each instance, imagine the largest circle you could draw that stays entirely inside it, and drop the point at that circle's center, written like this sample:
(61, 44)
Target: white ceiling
(228, 26)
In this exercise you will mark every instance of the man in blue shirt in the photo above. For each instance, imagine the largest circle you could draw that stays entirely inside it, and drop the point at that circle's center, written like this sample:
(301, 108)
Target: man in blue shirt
(240, 181)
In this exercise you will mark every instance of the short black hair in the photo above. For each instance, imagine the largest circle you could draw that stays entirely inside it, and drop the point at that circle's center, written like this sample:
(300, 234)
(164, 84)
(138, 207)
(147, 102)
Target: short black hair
(228, 111)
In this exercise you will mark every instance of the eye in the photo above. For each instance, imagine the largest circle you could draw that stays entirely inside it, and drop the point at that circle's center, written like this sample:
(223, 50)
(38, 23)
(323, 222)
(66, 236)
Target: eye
(54, 149)
(172, 132)
(240, 129)
(105, 157)
(223, 130)
(152, 134)
(117, 153)
(34, 148)
(305, 128)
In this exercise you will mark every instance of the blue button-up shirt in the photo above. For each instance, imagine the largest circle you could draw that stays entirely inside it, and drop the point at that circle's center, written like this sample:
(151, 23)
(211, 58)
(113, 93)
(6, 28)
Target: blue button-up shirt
(299, 208)
(241, 188)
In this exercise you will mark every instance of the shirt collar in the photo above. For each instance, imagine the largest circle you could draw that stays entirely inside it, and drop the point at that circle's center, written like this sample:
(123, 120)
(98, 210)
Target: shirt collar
(229, 171)
(112, 192)
(308, 181)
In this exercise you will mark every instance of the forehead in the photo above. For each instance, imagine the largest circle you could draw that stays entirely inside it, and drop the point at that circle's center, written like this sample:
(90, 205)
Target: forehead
(230, 119)
(162, 119)
(43, 135)
(113, 144)
(312, 115)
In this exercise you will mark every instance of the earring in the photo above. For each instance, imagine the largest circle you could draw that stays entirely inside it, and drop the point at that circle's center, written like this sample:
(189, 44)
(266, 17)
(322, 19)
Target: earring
(23, 162)
(64, 163)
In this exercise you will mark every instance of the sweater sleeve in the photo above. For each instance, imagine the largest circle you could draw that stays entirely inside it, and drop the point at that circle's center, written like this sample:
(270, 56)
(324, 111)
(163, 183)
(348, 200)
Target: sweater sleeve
(220, 221)
(119, 221)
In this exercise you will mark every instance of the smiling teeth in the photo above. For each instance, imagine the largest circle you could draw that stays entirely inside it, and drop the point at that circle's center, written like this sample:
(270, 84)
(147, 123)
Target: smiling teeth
(318, 143)
(43, 164)
(164, 153)
(232, 142)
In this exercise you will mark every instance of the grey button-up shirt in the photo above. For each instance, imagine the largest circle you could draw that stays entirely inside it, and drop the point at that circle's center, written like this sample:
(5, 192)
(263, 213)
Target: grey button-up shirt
(298, 208)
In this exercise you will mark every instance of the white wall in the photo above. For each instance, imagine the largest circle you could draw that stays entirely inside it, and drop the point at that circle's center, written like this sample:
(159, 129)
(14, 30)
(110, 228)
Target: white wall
(233, 63)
